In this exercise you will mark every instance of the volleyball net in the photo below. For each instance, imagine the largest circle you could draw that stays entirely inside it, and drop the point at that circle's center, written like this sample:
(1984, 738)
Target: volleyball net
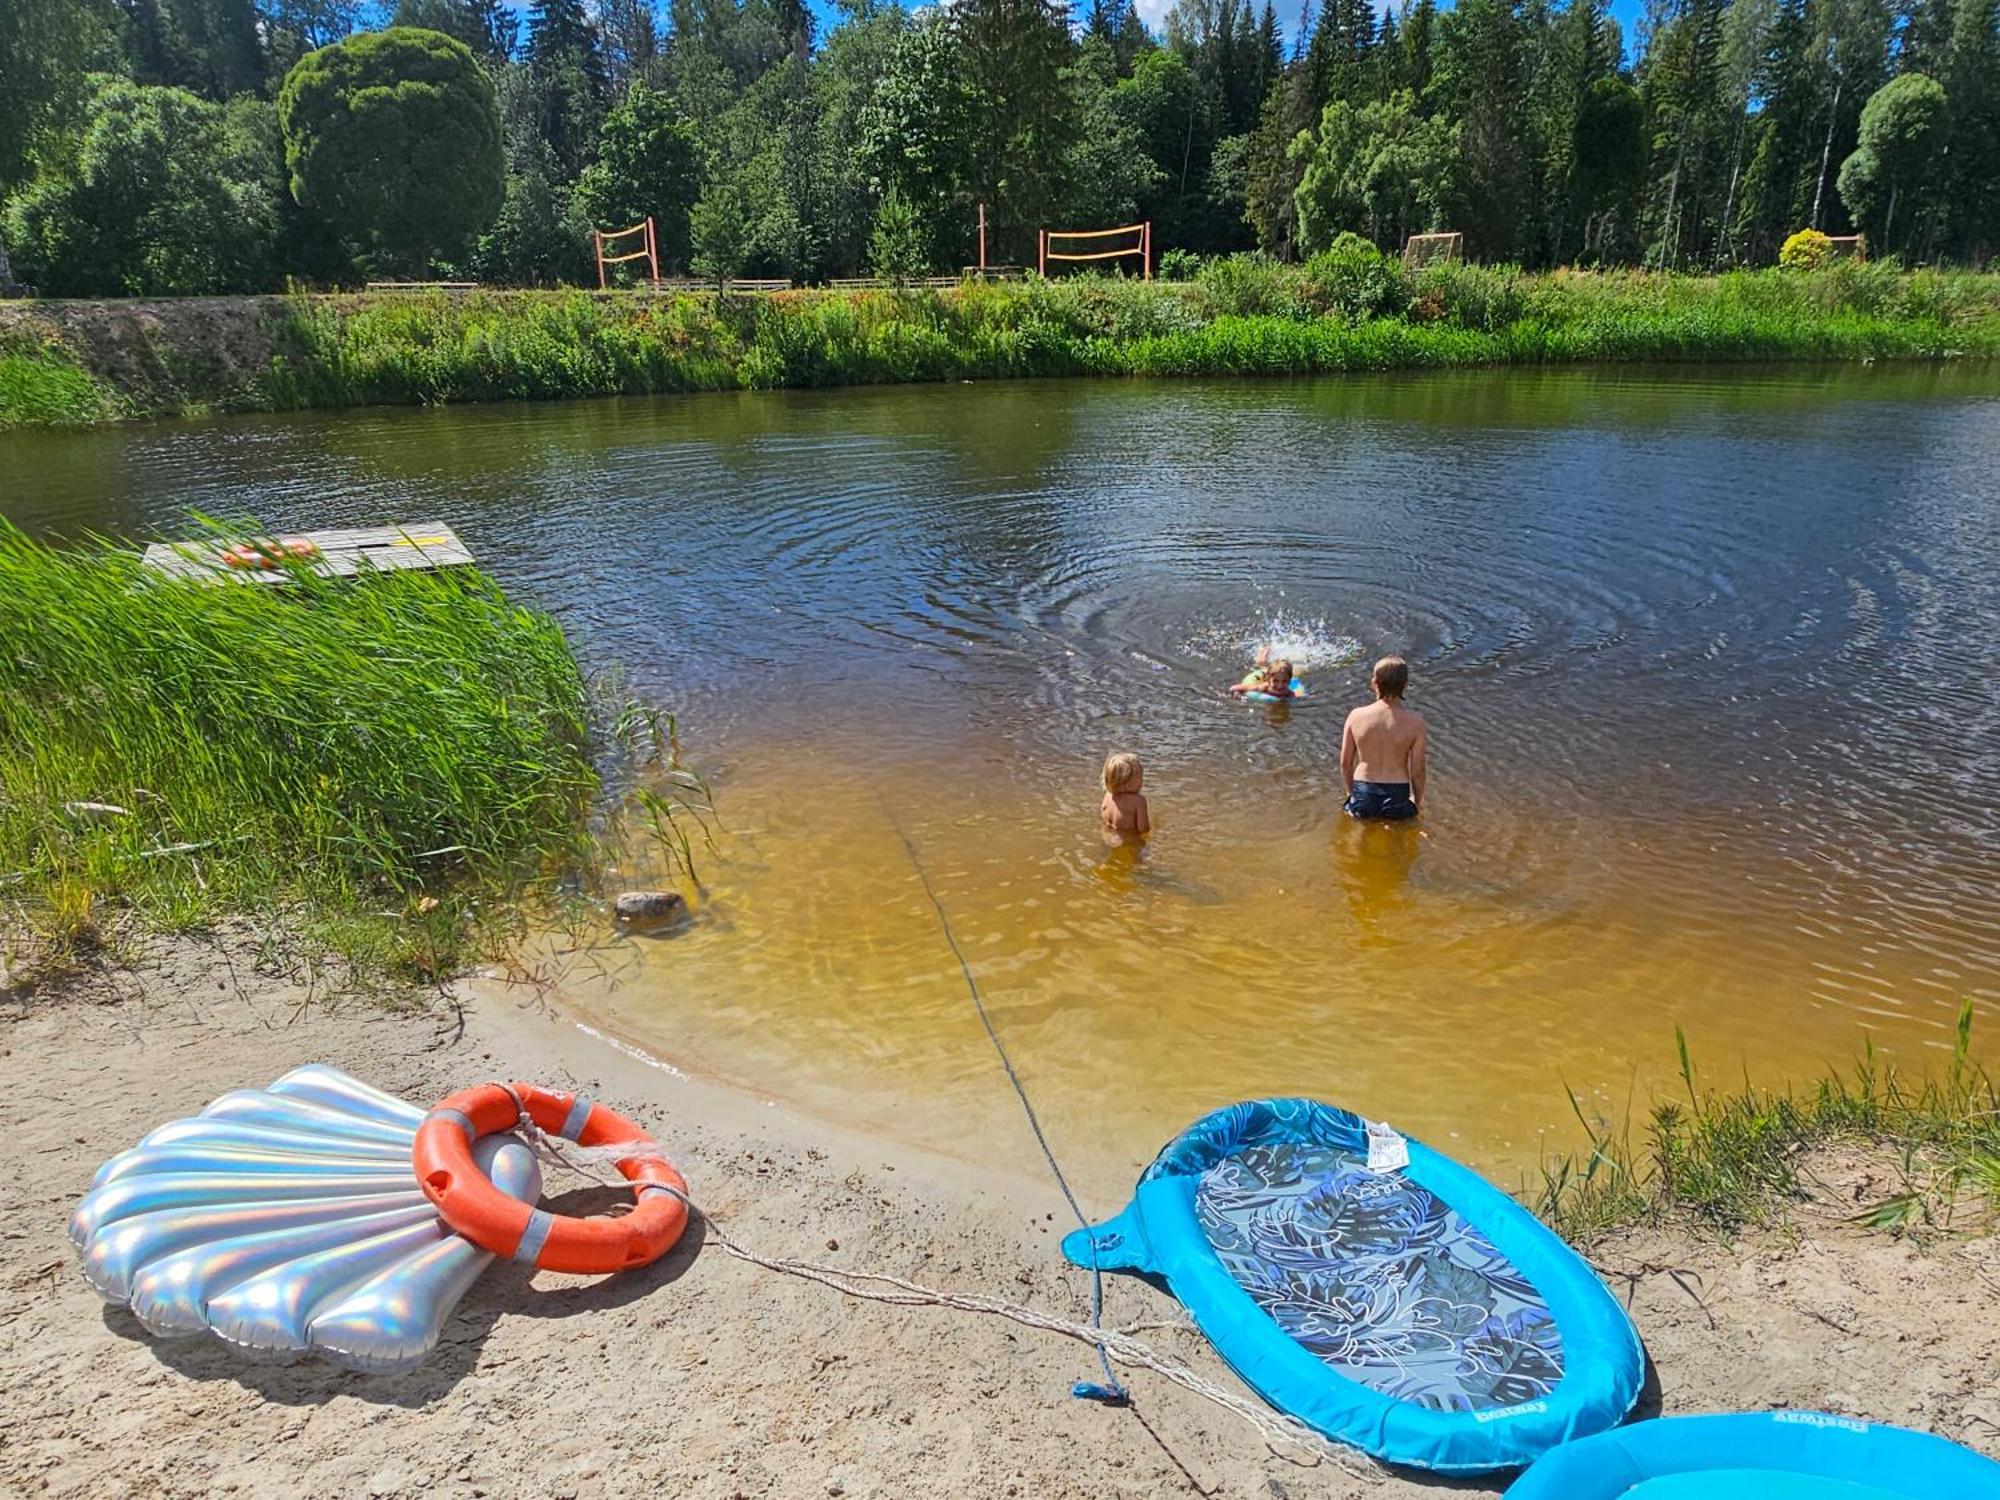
(1051, 246)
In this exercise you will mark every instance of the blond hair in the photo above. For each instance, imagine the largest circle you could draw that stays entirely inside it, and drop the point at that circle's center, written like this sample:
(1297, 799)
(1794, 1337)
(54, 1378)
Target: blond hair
(1392, 676)
(1121, 769)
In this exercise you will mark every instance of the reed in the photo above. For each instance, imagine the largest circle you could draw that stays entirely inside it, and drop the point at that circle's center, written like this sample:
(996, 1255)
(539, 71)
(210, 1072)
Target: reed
(385, 764)
(42, 386)
(1725, 1158)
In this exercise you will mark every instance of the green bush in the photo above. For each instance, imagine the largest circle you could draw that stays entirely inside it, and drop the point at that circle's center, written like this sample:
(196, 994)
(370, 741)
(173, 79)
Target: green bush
(1354, 279)
(161, 198)
(1250, 285)
(1487, 298)
(1178, 265)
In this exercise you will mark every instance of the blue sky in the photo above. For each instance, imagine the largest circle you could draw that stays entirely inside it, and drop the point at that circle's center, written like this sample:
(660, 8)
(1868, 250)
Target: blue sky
(1626, 11)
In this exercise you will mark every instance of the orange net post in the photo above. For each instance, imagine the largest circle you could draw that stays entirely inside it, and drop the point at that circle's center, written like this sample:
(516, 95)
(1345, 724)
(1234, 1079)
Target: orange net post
(648, 251)
(1141, 246)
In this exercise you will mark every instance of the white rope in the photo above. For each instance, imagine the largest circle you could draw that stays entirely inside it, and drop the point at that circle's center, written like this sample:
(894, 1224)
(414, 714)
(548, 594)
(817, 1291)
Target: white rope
(589, 1161)
(1278, 1429)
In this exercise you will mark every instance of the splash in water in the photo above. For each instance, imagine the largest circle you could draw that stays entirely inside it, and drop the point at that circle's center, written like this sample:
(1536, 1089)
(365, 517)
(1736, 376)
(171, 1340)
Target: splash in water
(1306, 644)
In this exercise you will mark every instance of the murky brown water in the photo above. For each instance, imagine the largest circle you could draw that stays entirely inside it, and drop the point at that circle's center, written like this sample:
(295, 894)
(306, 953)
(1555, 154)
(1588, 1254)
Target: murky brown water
(1710, 659)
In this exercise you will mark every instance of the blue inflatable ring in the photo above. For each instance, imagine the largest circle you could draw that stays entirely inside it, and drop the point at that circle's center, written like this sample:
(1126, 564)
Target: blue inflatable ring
(1298, 690)
(1420, 1314)
(1765, 1455)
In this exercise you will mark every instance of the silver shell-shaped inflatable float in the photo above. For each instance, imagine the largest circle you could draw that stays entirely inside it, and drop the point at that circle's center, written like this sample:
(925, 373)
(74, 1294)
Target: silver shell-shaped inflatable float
(287, 1220)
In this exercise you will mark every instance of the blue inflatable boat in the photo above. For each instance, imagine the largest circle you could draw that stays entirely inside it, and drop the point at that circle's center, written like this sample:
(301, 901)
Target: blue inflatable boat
(1765, 1455)
(1407, 1306)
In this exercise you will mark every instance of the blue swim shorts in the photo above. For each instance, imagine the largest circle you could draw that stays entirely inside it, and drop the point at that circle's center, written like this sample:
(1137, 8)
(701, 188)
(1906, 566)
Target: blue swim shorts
(1381, 799)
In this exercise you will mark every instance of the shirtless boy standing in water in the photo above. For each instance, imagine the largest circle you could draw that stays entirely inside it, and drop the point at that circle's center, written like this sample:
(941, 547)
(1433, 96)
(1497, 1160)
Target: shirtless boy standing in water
(1382, 749)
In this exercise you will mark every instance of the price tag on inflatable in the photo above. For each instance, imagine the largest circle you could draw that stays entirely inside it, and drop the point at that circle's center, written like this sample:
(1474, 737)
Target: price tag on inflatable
(1387, 1151)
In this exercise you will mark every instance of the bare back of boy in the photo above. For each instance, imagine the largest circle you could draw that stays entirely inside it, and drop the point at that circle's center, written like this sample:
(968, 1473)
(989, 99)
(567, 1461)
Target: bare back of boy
(1385, 736)
(1383, 748)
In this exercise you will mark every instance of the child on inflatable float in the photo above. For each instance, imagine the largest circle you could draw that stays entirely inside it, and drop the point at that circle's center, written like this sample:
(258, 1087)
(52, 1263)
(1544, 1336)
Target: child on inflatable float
(1271, 682)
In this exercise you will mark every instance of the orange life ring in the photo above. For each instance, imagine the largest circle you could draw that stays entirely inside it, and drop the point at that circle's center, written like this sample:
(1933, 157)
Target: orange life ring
(472, 1205)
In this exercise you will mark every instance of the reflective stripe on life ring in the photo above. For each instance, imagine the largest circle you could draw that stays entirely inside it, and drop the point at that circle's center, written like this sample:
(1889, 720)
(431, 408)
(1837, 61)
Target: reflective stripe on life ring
(472, 1205)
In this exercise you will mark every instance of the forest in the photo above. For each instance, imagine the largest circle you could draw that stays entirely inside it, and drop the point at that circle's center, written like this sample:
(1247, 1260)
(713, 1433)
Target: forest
(154, 147)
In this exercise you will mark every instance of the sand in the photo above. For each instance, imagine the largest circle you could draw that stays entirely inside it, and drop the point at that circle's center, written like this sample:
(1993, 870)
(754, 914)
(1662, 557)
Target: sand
(707, 1376)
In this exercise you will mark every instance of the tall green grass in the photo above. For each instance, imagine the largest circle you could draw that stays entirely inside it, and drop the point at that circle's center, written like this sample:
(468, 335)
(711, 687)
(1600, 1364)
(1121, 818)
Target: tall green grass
(1725, 1157)
(42, 386)
(382, 761)
(1349, 309)
(1242, 316)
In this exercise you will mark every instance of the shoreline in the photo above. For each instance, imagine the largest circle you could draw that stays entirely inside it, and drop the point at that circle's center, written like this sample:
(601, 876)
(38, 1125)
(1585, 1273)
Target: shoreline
(720, 1378)
(90, 363)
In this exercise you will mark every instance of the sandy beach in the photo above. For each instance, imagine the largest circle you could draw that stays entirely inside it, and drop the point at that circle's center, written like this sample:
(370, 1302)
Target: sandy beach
(707, 1376)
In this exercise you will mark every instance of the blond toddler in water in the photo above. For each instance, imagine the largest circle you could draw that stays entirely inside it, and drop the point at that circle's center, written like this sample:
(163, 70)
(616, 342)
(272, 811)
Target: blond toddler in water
(1123, 810)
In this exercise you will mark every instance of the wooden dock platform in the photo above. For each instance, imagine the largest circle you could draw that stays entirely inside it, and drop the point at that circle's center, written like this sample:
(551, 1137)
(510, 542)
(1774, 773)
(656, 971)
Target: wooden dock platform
(340, 554)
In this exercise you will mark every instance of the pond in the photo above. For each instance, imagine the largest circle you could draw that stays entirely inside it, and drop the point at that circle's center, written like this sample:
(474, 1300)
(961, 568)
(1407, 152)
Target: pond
(1709, 658)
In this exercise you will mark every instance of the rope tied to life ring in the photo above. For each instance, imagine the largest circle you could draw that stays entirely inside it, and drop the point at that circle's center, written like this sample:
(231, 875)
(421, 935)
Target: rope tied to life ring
(590, 1132)
(609, 1162)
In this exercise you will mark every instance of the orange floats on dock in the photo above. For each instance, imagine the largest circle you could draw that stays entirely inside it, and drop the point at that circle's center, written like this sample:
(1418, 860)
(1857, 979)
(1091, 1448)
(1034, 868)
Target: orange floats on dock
(267, 554)
(467, 1201)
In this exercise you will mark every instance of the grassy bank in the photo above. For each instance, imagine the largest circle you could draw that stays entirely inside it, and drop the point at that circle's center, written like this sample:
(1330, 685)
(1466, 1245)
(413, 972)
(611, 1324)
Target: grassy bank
(1239, 316)
(1726, 1157)
(42, 385)
(383, 765)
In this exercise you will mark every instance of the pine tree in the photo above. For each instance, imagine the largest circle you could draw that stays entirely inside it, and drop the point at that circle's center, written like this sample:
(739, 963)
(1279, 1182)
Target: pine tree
(1690, 125)
(209, 47)
(1014, 53)
(1270, 51)
(1482, 84)
(486, 26)
(1972, 83)
(1746, 26)
(1925, 43)
(631, 36)
(293, 28)
(1418, 70)
(1338, 55)
(566, 60)
(1776, 196)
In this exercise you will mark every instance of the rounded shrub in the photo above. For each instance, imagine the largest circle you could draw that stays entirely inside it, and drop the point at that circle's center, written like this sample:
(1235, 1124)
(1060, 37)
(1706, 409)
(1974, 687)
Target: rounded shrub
(1353, 278)
(1806, 250)
(394, 136)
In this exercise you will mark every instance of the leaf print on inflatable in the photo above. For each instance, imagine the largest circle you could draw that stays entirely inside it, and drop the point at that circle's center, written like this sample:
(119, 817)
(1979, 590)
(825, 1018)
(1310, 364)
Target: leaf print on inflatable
(1377, 1277)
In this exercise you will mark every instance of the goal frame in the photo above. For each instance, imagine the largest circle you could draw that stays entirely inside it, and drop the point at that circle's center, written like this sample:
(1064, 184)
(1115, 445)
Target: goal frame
(648, 251)
(1416, 249)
